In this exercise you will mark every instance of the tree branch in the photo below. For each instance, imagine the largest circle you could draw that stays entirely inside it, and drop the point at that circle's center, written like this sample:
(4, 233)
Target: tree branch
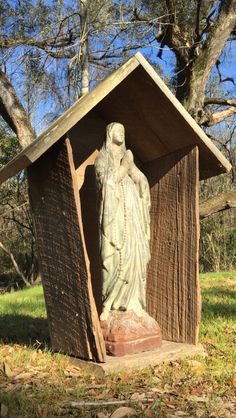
(219, 101)
(9, 253)
(58, 42)
(218, 36)
(197, 28)
(211, 11)
(13, 112)
(171, 35)
(83, 51)
(223, 80)
(217, 117)
(217, 204)
(208, 55)
(210, 119)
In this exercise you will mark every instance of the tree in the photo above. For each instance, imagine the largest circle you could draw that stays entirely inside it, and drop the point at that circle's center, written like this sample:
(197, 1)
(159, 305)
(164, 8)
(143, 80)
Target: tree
(44, 45)
(99, 34)
(53, 51)
(17, 244)
(197, 31)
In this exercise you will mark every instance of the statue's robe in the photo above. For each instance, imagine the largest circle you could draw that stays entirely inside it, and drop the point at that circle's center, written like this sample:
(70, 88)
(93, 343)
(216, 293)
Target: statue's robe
(124, 236)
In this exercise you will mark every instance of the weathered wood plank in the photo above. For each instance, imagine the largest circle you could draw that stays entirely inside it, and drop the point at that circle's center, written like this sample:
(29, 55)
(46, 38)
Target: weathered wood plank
(54, 195)
(86, 139)
(173, 292)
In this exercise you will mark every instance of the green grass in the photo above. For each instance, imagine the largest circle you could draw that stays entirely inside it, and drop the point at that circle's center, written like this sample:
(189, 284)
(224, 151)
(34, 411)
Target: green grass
(40, 383)
(23, 317)
(218, 328)
(24, 302)
(222, 275)
(219, 307)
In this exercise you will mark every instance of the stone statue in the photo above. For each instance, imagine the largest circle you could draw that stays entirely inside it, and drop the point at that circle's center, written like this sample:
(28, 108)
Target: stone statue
(124, 205)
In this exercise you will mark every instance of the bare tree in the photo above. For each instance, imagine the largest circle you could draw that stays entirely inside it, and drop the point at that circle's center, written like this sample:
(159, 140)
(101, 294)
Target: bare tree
(91, 39)
(53, 52)
(196, 32)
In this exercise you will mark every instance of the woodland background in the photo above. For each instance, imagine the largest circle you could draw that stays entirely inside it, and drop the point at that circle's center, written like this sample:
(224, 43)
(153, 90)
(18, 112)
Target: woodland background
(53, 51)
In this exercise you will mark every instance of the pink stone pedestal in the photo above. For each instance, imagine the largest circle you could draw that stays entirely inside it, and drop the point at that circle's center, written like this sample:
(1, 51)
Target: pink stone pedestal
(127, 333)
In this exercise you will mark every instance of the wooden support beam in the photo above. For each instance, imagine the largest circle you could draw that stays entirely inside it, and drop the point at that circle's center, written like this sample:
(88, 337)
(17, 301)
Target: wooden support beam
(173, 291)
(54, 195)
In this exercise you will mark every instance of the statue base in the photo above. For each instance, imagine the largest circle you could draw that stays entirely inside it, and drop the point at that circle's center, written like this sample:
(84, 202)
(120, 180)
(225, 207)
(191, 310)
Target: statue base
(128, 333)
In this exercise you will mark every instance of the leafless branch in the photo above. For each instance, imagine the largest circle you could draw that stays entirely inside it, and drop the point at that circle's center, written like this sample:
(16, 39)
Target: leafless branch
(217, 204)
(197, 29)
(13, 260)
(89, 405)
(13, 208)
(219, 101)
(223, 80)
(218, 117)
(21, 224)
(209, 21)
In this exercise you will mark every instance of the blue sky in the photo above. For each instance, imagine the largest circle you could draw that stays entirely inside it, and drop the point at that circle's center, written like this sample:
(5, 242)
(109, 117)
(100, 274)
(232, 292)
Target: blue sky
(167, 64)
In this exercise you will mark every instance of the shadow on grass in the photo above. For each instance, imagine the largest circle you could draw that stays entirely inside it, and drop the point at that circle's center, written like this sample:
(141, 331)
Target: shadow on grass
(19, 329)
(219, 302)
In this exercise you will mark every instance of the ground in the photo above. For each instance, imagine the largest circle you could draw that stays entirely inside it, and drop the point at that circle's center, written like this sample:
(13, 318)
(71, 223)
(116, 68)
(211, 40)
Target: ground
(37, 383)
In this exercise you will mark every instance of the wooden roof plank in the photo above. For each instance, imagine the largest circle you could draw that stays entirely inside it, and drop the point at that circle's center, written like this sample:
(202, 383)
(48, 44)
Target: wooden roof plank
(66, 121)
(19, 163)
(86, 103)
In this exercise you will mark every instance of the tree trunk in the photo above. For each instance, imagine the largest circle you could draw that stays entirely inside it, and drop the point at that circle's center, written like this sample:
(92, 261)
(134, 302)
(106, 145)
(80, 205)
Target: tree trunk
(202, 65)
(13, 112)
(183, 82)
(84, 4)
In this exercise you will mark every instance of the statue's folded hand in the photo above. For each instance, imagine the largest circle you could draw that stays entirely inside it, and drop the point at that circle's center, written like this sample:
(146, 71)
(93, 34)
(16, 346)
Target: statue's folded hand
(128, 159)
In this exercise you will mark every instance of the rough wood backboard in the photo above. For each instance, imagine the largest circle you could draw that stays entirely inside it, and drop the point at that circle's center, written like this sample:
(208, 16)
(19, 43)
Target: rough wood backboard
(54, 195)
(173, 291)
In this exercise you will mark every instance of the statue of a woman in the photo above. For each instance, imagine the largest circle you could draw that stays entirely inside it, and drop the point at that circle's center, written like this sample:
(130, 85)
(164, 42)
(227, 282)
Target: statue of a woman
(124, 205)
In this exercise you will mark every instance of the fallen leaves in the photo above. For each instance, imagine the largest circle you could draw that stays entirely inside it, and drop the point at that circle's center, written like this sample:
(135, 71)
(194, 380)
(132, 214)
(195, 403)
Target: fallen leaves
(196, 390)
(138, 396)
(196, 366)
(25, 375)
(6, 369)
(173, 390)
(4, 411)
(72, 371)
(42, 412)
(124, 412)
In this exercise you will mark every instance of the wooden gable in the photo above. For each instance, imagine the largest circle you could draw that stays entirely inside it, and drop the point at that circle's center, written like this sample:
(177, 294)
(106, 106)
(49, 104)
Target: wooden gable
(156, 123)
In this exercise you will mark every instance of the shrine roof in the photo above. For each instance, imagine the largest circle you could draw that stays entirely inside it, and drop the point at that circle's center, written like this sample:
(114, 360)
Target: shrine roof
(156, 123)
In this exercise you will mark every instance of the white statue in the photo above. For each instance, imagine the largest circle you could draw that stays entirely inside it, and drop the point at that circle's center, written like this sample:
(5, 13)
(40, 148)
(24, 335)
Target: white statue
(124, 205)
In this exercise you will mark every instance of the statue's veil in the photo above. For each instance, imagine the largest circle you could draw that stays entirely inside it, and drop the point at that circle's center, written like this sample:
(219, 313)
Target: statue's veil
(108, 142)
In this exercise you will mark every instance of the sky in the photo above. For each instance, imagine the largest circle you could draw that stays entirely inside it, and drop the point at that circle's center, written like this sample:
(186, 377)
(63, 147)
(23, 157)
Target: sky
(167, 64)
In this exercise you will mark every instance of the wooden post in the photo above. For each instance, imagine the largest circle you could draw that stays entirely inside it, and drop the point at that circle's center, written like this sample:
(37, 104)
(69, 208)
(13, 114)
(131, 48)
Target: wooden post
(73, 320)
(173, 291)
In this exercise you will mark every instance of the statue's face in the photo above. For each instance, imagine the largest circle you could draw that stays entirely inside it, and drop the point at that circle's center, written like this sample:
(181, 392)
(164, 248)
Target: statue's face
(118, 134)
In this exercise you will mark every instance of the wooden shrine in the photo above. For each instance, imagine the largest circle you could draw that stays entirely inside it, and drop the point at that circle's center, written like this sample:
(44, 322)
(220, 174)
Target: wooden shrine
(172, 151)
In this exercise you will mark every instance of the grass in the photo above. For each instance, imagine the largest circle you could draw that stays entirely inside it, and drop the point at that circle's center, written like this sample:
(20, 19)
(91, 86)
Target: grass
(34, 382)
(23, 317)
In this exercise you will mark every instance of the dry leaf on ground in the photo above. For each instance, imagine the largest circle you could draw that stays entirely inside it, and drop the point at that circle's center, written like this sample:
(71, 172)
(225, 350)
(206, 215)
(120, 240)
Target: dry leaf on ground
(196, 366)
(138, 396)
(124, 412)
(4, 411)
(6, 369)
